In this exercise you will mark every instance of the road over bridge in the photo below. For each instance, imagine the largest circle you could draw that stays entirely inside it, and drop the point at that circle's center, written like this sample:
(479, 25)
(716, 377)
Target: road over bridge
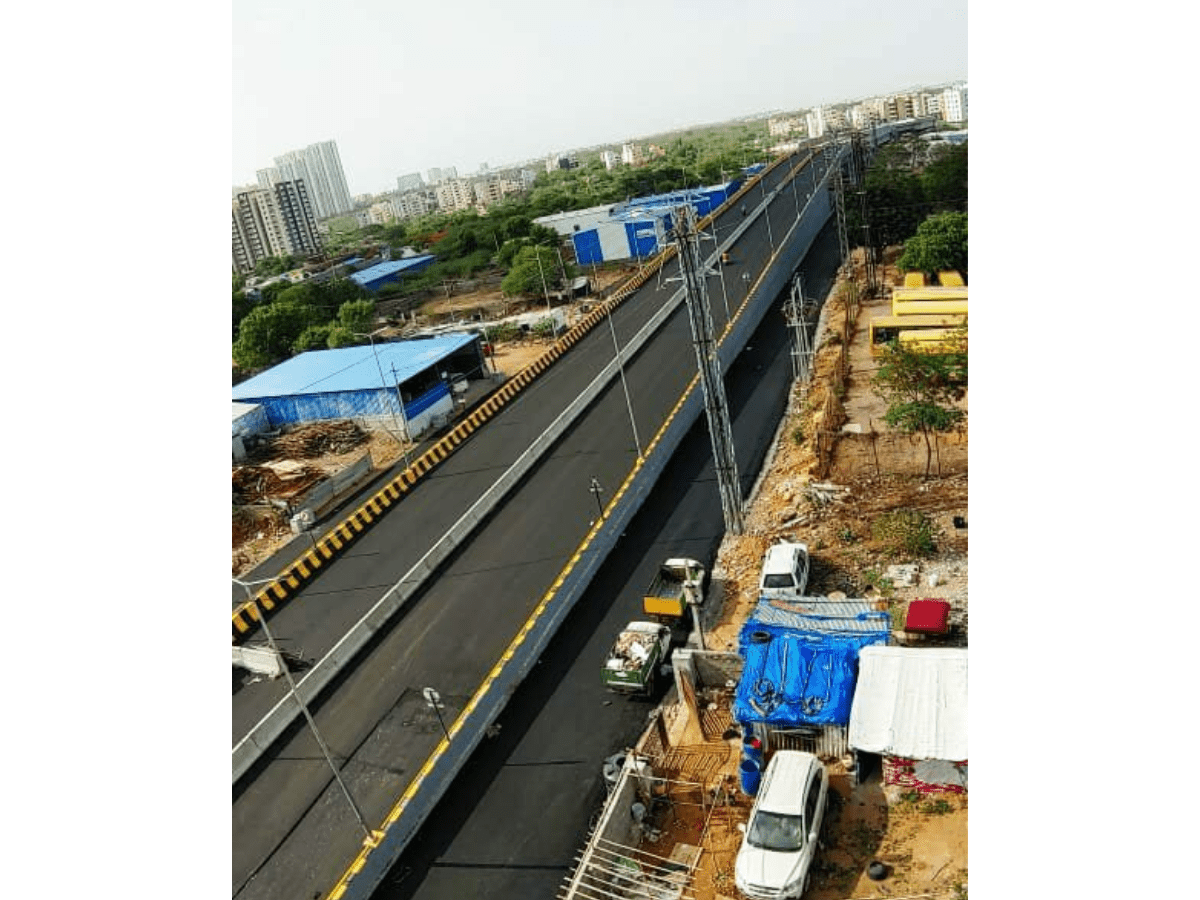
(294, 832)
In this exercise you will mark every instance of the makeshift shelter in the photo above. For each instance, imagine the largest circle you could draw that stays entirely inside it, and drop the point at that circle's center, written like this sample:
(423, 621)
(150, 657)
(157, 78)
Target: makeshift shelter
(911, 708)
(801, 660)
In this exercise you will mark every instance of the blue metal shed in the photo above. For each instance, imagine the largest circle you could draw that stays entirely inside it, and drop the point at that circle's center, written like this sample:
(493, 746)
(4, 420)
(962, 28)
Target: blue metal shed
(347, 383)
(377, 276)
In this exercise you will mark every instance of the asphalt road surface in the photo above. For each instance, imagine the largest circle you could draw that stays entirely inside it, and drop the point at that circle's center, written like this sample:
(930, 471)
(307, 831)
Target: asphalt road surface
(512, 823)
(293, 831)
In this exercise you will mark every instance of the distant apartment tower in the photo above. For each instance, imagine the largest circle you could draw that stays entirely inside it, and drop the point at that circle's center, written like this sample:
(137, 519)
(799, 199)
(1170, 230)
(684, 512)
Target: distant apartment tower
(782, 126)
(437, 176)
(411, 204)
(381, 212)
(320, 167)
(632, 154)
(455, 194)
(609, 158)
(815, 120)
(410, 182)
(278, 221)
(954, 104)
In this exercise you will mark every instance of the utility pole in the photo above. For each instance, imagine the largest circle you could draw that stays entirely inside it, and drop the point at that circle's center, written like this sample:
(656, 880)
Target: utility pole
(720, 429)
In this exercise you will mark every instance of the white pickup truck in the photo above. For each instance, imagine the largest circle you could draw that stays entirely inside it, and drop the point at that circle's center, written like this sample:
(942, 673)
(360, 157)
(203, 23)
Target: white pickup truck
(784, 570)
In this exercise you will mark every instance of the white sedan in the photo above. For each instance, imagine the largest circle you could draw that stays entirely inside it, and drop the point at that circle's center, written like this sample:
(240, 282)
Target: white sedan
(780, 840)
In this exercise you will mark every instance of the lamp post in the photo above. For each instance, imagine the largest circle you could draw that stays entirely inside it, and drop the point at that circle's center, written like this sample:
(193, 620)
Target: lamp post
(545, 292)
(595, 490)
(434, 701)
(402, 422)
(624, 385)
(287, 674)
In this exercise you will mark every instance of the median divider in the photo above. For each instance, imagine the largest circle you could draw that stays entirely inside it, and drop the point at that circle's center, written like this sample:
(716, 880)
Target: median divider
(370, 867)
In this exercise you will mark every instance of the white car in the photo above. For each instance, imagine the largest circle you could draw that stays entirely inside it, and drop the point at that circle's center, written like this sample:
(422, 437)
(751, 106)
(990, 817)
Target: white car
(780, 840)
(784, 570)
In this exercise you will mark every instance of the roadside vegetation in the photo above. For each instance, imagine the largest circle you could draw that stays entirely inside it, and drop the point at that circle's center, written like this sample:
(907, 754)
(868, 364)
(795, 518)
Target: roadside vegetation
(909, 181)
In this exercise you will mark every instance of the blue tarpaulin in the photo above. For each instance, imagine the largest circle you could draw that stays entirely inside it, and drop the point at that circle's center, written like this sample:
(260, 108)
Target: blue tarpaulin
(801, 663)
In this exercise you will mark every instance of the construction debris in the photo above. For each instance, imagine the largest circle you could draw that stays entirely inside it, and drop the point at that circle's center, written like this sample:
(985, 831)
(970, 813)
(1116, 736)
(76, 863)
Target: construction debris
(316, 439)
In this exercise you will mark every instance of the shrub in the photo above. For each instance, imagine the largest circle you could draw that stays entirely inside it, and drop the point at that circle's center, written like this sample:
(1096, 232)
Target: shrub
(907, 532)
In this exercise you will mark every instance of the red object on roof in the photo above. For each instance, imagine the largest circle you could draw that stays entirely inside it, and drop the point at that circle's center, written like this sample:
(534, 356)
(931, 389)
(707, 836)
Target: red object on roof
(928, 617)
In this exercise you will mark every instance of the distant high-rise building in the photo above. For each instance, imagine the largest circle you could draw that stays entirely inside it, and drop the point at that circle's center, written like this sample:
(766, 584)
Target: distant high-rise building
(815, 121)
(409, 182)
(268, 178)
(277, 221)
(411, 204)
(609, 158)
(455, 194)
(381, 212)
(320, 167)
(437, 176)
(782, 126)
(954, 104)
(632, 154)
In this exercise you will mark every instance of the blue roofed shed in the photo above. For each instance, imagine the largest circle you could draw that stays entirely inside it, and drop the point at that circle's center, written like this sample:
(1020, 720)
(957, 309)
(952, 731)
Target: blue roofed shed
(377, 276)
(347, 383)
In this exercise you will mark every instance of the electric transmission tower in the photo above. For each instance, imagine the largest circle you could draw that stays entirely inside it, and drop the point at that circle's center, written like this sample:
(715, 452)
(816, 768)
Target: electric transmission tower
(691, 267)
(795, 310)
(839, 208)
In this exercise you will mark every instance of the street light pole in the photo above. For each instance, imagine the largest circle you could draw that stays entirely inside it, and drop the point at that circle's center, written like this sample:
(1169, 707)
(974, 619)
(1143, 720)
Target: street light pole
(594, 489)
(434, 701)
(383, 384)
(287, 674)
(545, 292)
(624, 385)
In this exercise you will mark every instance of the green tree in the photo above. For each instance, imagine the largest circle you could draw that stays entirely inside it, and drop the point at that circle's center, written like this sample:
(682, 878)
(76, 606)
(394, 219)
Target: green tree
(275, 265)
(357, 316)
(314, 337)
(241, 308)
(525, 276)
(940, 243)
(269, 331)
(920, 388)
(945, 178)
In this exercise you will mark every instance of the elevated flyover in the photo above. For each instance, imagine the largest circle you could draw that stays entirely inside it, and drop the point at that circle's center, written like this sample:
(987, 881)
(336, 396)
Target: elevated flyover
(293, 831)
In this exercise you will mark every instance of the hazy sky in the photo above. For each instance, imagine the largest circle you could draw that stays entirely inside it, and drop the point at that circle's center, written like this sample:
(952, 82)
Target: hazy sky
(403, 87)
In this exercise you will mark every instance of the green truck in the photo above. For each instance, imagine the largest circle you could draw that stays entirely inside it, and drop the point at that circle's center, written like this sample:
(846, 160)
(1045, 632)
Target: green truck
(636, 655)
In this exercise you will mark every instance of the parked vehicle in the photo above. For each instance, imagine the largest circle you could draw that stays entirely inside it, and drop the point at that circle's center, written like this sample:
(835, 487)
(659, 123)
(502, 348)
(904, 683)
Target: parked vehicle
(780, 839)
(677, 584)
(784, 570)
(633, 661)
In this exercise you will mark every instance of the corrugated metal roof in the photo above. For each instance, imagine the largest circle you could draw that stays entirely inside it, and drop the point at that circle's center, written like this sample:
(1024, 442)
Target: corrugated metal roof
(351, 368)
(911, 702)
(391, 267)
(817, 614)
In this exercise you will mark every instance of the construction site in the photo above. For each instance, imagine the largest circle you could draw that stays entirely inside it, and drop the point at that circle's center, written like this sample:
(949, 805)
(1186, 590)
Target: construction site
(675, 813)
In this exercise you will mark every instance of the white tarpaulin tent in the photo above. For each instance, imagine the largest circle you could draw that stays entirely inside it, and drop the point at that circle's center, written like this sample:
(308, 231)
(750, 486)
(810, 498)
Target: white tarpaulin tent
(911, 702)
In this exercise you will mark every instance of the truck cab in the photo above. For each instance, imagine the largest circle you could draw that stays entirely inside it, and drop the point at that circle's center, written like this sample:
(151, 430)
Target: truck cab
(784, 570)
